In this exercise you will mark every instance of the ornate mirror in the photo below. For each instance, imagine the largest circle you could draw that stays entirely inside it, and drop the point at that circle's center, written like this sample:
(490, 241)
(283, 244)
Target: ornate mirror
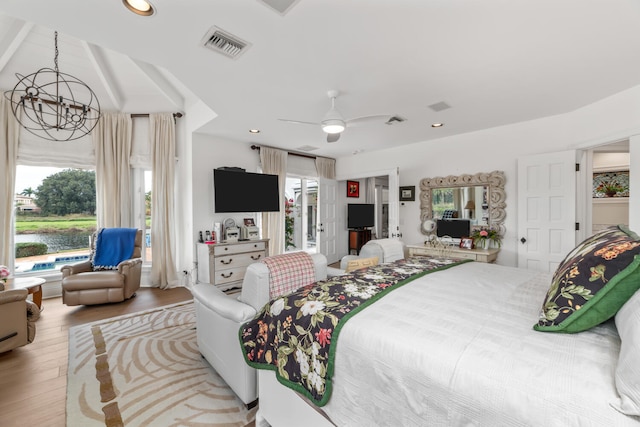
(480, 197)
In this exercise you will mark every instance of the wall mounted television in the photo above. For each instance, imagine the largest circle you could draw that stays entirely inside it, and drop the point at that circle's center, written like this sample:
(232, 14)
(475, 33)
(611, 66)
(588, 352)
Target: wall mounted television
(360, 215)
(239, 191)
(456, 228)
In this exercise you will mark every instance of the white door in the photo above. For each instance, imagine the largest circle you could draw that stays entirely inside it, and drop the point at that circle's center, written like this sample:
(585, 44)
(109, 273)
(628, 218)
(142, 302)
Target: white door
(394, 205)
(327, 219)
(546, 209)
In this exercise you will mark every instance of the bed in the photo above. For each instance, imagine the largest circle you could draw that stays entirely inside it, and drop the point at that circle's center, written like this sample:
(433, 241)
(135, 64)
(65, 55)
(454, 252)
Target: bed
(457, 347)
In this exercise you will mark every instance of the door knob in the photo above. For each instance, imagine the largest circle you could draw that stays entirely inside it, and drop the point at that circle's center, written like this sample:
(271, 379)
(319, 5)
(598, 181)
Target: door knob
(523, 240)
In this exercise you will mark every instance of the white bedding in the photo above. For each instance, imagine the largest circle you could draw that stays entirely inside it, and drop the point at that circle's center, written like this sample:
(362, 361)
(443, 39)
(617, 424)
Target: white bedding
(457, 347)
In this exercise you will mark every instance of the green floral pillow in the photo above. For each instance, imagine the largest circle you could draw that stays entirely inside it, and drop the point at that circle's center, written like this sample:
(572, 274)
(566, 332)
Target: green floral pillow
(593, 282)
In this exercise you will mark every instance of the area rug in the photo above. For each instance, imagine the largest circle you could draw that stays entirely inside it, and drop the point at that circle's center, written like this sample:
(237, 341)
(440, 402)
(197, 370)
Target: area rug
(144, 369)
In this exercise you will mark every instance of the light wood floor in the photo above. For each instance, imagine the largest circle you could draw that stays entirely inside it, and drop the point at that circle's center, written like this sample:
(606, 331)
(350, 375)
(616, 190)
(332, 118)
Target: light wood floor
(33, 378)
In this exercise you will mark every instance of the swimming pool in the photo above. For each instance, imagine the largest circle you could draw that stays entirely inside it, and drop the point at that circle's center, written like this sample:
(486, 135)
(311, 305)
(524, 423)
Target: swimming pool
(51, 263)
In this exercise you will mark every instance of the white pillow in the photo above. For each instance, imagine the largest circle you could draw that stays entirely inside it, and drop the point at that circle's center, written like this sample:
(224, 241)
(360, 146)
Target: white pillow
(628, 369)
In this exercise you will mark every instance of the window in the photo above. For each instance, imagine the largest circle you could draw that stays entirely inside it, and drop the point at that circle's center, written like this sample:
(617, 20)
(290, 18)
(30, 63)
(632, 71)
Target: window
(301, 214)
(142, 182)
(55, 213)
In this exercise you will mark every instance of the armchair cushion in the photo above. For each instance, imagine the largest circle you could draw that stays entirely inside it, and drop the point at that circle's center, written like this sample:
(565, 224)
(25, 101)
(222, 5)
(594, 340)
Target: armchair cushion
(225, 305)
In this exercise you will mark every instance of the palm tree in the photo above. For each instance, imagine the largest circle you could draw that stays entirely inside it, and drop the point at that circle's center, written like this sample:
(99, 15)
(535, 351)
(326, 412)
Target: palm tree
(28, 192)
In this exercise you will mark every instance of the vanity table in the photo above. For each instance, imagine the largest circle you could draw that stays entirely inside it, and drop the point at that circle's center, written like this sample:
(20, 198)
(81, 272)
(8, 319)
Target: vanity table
(481, 255)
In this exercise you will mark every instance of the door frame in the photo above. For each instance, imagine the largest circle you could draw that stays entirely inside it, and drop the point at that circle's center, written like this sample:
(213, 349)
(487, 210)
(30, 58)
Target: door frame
(394, 203)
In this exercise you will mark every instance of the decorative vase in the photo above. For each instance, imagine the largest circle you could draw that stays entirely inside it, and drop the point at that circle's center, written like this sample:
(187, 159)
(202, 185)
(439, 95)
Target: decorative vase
(610, 193)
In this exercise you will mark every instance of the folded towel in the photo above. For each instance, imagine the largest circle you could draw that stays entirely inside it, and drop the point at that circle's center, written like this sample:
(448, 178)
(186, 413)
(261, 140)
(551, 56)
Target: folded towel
(113, 245)
(391, 248)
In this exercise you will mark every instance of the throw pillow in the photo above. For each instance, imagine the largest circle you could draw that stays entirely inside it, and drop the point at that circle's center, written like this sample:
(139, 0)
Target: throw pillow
(595, 279)
(628, 370)
(356, 264)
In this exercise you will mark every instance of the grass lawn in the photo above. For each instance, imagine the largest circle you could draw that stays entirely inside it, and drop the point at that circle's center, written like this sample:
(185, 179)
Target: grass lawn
(39, 224)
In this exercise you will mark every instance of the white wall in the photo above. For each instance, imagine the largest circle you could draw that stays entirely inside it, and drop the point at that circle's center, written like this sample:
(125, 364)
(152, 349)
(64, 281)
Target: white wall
(209, 154)
(611, 119)
(608, 120)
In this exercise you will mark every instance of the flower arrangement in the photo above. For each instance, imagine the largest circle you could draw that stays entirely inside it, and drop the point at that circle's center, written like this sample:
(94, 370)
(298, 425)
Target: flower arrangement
(481, 236)
(4, 273)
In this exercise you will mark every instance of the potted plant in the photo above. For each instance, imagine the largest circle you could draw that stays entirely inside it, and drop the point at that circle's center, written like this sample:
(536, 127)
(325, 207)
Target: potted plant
(610, 188)
(484, 237)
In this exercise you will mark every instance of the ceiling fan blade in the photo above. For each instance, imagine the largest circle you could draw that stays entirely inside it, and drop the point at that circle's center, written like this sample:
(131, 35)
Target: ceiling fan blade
(378, 118)
(299, 122)
(333, 137)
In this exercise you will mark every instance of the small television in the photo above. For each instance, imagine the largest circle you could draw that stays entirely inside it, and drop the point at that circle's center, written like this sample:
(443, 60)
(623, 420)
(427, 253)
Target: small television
(360, 215)
(456, 228)
(239, 191)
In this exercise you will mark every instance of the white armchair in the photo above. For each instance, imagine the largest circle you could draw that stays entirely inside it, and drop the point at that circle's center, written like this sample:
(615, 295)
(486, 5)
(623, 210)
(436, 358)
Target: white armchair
(218, 320)
(387, 250)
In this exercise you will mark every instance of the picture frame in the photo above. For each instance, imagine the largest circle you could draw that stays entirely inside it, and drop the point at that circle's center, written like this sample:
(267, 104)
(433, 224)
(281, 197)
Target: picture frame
(353, 188)
(613, 183)
(466, 243)
(408, 194)
(248, 222)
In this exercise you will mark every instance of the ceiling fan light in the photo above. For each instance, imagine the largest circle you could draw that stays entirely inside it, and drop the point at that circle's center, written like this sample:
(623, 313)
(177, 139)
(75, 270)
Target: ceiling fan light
(333, 125)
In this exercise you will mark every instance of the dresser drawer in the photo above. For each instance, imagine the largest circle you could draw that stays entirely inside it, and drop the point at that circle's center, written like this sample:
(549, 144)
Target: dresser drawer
(238, 260)
(229, 275)
(219, 250)
(463, 255)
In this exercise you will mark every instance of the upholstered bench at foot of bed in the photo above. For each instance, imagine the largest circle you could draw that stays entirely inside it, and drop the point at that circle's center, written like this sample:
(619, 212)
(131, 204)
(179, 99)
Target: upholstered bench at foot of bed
(98, 287)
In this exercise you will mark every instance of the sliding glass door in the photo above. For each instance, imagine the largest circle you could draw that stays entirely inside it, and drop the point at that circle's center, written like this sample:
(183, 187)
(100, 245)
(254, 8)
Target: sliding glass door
(301, 214)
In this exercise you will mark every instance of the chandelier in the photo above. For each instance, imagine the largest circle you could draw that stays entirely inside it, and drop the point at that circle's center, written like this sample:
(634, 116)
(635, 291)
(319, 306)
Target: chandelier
(54, 105)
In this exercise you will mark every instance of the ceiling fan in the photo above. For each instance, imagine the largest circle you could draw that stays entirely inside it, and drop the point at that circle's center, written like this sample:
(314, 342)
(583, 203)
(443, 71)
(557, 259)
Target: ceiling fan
(334, 123)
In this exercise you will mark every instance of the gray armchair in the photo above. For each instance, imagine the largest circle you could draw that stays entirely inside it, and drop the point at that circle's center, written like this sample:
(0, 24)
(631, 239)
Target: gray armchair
(17, 319)
(81, 285)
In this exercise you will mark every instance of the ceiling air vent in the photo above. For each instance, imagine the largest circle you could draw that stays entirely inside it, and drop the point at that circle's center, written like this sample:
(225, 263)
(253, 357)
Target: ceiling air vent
(439, 106)
(223, 42)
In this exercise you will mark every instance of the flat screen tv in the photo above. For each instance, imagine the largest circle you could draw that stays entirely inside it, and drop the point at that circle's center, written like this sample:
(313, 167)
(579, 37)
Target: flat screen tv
(456, 228)
(360, 215)
(237, 191)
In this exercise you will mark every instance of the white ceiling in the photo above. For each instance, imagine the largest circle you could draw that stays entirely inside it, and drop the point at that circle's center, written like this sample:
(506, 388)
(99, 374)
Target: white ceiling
(495, 62)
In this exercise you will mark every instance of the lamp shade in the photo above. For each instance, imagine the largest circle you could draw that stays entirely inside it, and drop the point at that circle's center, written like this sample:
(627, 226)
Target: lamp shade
(470, 205)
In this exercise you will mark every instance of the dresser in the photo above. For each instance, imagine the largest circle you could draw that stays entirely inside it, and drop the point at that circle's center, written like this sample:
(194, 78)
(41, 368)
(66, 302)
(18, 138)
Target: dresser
(224, 264)
(481, 255)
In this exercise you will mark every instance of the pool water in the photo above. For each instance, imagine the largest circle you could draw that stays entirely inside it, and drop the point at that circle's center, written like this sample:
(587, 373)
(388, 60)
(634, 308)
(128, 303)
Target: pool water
(52, 263)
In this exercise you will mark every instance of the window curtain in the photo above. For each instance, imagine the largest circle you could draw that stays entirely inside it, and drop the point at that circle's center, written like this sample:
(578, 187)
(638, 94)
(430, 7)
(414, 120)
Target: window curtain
(274, 162)
(9, 136)
(112, 140)
(162, 132)
(326, 167)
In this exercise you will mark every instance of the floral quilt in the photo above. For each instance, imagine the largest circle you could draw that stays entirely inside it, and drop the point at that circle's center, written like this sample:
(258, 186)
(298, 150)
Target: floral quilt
(295, 334)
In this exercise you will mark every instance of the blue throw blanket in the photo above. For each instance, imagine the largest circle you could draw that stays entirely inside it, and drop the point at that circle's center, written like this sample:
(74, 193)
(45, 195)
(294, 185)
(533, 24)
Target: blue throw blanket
(113, 245)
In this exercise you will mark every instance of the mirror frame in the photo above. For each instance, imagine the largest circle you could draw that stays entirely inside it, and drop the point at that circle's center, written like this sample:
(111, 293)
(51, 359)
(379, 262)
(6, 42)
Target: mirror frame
(494, 180)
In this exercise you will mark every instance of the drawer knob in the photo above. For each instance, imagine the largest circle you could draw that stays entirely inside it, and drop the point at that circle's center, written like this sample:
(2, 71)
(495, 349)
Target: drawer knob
(226, 276)
(223, 261)
(255, 258)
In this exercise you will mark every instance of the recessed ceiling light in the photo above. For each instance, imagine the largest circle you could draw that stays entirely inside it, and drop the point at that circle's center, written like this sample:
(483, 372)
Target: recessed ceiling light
(437, 125)
(139, 7)
(254, 130)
